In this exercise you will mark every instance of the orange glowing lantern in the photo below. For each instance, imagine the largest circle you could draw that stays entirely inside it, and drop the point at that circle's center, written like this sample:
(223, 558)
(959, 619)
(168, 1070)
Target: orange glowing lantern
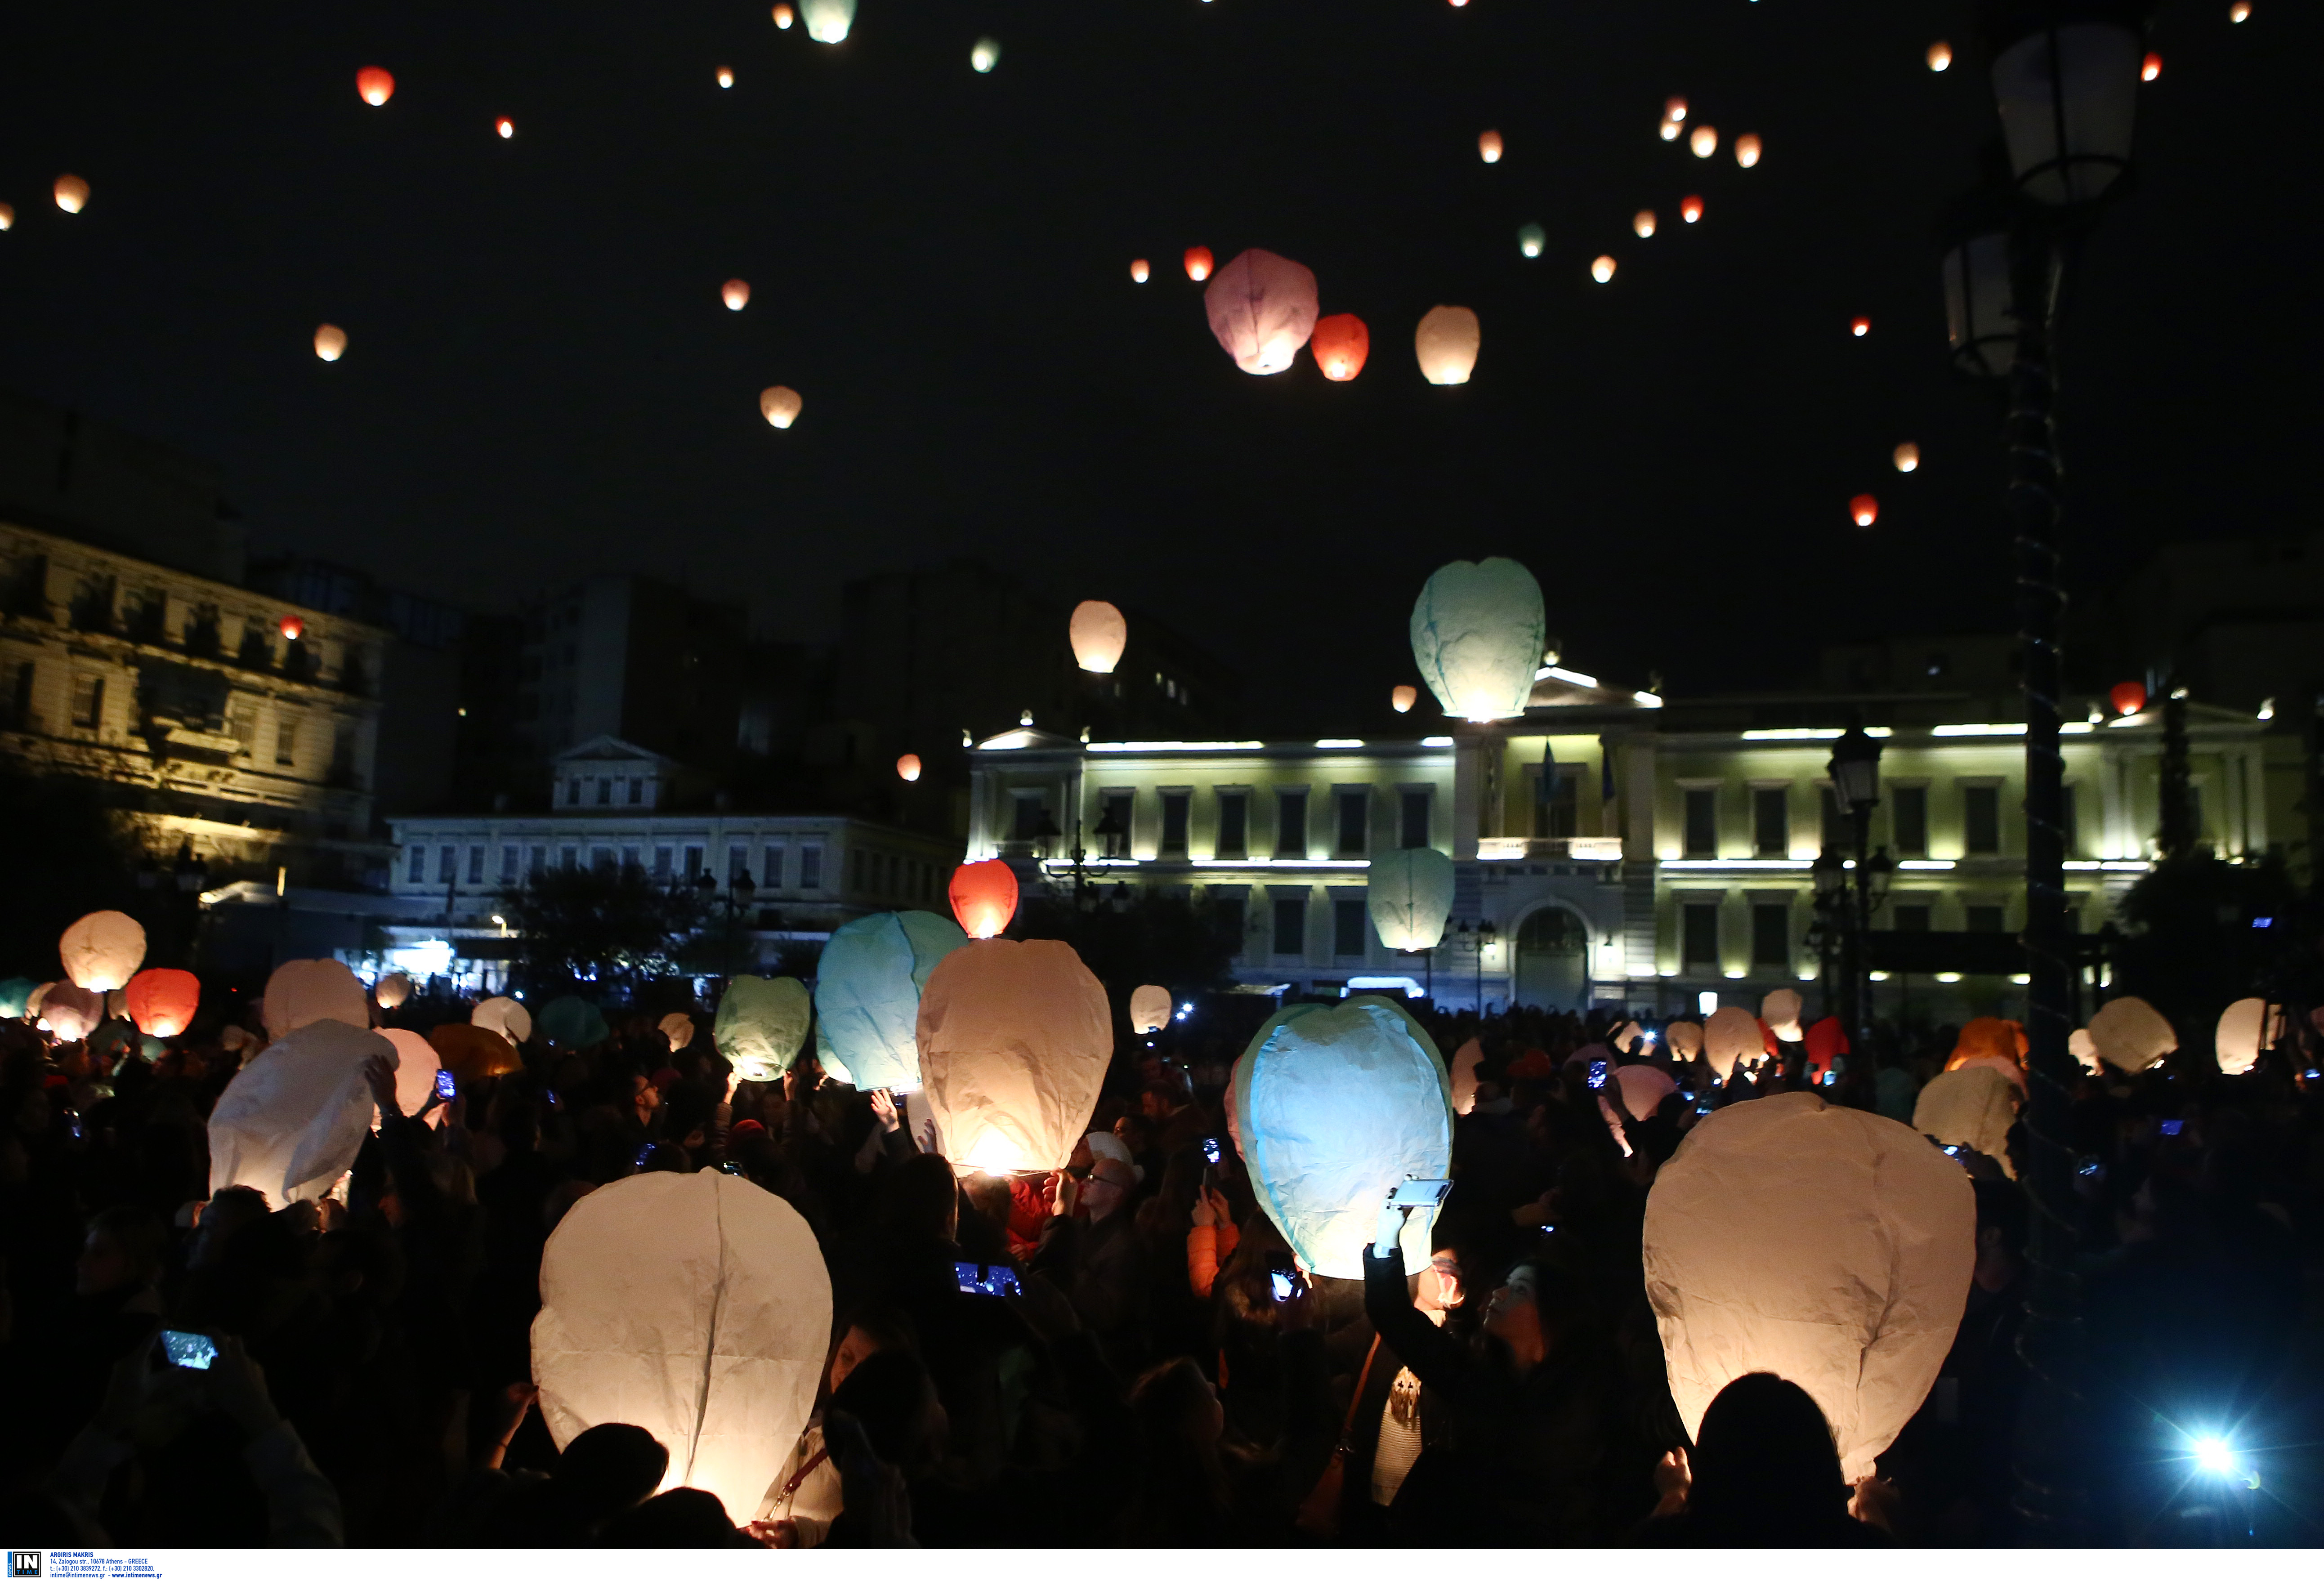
(1860, 327)
(1940, 56)
(7, 216)
(1865, 509)
(1139, 269)
(2151, 68)
(1748, 149)
(1341, 343)
(292, 628)
(1674, 110)
(1908, 457)
(983, 897)
(1601, 268)
(1199, 263)
(908, 768)
(2127, 697)
(330, 341)
(2239, 11)
(780, 405)
(725, 77)
(782, 17)
(1689, 208)
(72, 194)
(1099, 634)
(1643, 222)
(1703, 142)
(162, 1000)
(1488, 147)
(1403, 697)
(736, 294)
(505, 127)
(376, 86)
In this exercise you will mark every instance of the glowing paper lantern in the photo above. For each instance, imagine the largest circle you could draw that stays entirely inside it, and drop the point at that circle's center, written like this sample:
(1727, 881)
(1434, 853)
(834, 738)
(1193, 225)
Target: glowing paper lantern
(1673, 110)
(2131, 1033)
(1199, 263)
(505, 127)
(1703, 142)
(1781, 1011)
(867, 992)
(827, 21)
(1099, 634)
(16, 997)
(1689, 208)
(1446, 345)
(391, 990)
(1826, 1041)
(1732, 1035)
(676, 1027)
(1402, 698)
(1139, 269)
(7, 216)
(762, 1025)
(1531, 240)
(416, 1064)
(1014, 1039)
(1643, 222)
(71, 1013)
(1477, 633)
(1685, 1039)
(1488, 147)
(695, 1306)
(290, 1121)
(983, 896)
(572, 1024)
(507, 1017)
(1262, 309)
(985, 55)
(1988, 1038)
(303, 992)
(782, 17)
(162, 1000)
(908, 768)
(2085, 1049)
(39, 997)
(2127, 697)
(1465, 1060)
(330, 341)
(1940, 56)
(1824, 1244)
(103, 949)
(2239, 11)
(1864, 509)
(2151, 68)
(1409, 894)
(1336, 1105)
(1340, 344)
(1970, 1106)
(472, 1052)
(736, 294)
(1668, 132)
(2247, 1028)
(780, 405)
(292, 628)
(1748, 149)
(1601, 268)
(1642, 1088)
(1908, 457)
(1149, 1008)
(376, 85)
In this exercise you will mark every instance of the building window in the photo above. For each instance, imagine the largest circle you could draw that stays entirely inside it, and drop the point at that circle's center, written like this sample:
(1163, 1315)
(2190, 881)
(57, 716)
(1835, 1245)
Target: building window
(601, 859)
(286, 742)
(773, 869)
(810, 867)
(738, 863)
(568, 858)
(1227, 922)
(1355, 818)
(537, 860)
(1702, 822)
(446, 859)
(665, 861)
(1291, 923)
(631, 861)
(1981, 820)
(1698, 936)
(1771, 822)
(1556, 803)
(1116, 809)
(855, 867)
(1985, 919)
(1174, 823)
(475, 864)
(1234, 826)
(1349, 924)
(1908, 820)
(1290, 825)
(508, 864)
(694, 855)
(573, 793)
(21, 702)
(637, 792)
(1771, 934)
(1414, 833)
(1912, 919)
(605, 792)
(88, 705)
(1027, 823)
(416, 871)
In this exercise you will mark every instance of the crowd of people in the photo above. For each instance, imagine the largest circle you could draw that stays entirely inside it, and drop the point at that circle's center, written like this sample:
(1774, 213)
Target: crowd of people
(1164, 1373)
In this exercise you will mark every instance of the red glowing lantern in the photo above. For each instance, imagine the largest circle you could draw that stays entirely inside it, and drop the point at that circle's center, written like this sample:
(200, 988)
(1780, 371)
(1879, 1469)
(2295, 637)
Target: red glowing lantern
(1199, 263)
(1865, 509)
(2151, 68)
(908, 768)
(376, 86)
(293, 628)
(2127, 697)
(162, 1000)
(1860, 327)
(983, 897)
(1340, 344)
(1689, 208)
(504, 126)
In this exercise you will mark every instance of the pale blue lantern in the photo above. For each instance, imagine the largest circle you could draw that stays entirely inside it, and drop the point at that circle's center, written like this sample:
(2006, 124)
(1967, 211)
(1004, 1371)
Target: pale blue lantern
(16, 993)
(867, 992)
(572, 1024)
(827, 21)
(1409, 894)
(761, 1025)
(1477, 634)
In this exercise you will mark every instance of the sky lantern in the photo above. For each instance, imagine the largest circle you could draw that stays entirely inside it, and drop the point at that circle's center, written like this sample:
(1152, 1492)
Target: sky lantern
(1642, 223)
(2247, 1029)
(571, 1022)
(1908, 457)
(1669, 131)
(1683, 1039)
(1826, 1041)
(1335, 1106)
(1973, 1107)
(1149, 1009)
(1864, 509)
(983, 896)
(71, 1013)
(472, 1052)
(330, 341)
(827, 21)
(1703, 142)
(505, 127)
(7, 216)
(1531, 240)
(1014, 1040)
(2131, 1033)
(1199, 263)
(1689, 208)
(695, 1306)
(985, 55)
(290, 1121)
(2151, 68)
(102, 951)
(1341, 343)
(72, 194)
(302, 992)
(1409, 895)
(1781, 1011)
(780, 405)
(782, 17)
(416, 1064)
(678, 1027)
(2127, 697)
(867, 992)
(2239, 11)
(1673, 110)
(1402, 698)
(1601, 268)
(1446, 345)
(1477, 634)
(908, 768)
(1488, 147)
(376, 85)
(762, 1025)
(736, 294)
(1099, 634)
(1748, 149)
(391, 990)
(1822, 1244)
(1262, 309)
(725, 77)
(1642, 1088)
(1731, 1036)
(1940, 56)
(292, 628)
(1139, 269)
(162, 1000)
(1860, 327)
(507, 1017)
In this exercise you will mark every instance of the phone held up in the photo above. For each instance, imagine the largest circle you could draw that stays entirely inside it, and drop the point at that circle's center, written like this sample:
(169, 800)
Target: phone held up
(986, 1278)
(1413, 1193)
(446, 1088)
(1597, 1074)
(1211, 1150)
(194, 1352)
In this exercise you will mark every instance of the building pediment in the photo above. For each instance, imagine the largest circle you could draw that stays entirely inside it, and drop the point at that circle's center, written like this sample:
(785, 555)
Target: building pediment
(613, 749)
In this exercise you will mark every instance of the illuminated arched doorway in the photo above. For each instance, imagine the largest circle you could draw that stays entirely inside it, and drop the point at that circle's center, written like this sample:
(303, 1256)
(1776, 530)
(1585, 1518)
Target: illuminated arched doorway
(1552, 960)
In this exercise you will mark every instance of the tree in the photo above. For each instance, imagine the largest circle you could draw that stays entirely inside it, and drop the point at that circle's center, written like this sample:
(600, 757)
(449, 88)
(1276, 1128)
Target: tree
(598, 926)
(2191, 946)
(66, 855)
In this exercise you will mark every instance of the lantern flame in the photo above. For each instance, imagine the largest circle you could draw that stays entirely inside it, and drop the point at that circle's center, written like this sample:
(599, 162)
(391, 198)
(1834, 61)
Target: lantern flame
(7, 216)
(2239, 11)
(1674, 110)
(505, 127)
(1531, 240)
(1668, 131)
(376, 86)
(2151, 68)
(725, 77)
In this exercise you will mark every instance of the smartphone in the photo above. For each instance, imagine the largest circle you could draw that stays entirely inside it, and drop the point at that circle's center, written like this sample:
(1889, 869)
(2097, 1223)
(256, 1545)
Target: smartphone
(75, 1126)
(2170, 1127)
(446, 1088)
(1211, 1149)
(194, 1352)
(984, 1279)
(644, 1154)
(1952, 1149)
(1597, 1074)
(728, 1166)
(1645, 1037)
(554, 1101)
(1702, 1104)
(2090, 1169)
(1420, 1194)
(1286, 1285)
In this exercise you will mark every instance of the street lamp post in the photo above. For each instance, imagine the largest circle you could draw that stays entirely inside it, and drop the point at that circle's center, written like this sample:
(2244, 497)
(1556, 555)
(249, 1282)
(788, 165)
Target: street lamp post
(1855, 770)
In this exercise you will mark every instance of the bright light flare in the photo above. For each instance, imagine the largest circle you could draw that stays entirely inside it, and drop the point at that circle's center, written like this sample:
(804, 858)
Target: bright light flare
(2214, 1455)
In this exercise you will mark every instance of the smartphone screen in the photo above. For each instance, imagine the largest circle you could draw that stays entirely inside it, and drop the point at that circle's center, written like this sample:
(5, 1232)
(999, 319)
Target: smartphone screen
(445, 1087)
(2172, 1127)
(1420, 1194)
(1597, 1074)
(983, 1279)
(1210, 1148)
(1285, 1284)
(193, 1351)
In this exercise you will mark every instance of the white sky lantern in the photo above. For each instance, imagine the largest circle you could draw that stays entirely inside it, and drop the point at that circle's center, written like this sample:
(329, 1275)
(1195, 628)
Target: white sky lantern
(780, 405)
(1335, 1105)
(1683, 1039)
(1670, 130)
(1732, 1035)
(725, 77)
(782, 16)
(2083, 1047)
(72, 194)
(2246, 1028)
(2131, 1033)
(1822, 1244)
(1488, 147)
(762, 1025)
(867, 992)
(1409, 894)
(301, 993)
(1972, 1107)
(1673, 110)
(416, 1064)
(1748, 149)
(1465, 1060)
(507, 1017)
(1262, 309)
(1601, 268)
(1099, 634)
(1781, 1011)
(71, 1013)
(827, 21)
(1531, 240)
(1402, 698)
(103, 950)
(1446, 344)
(1642, 223)
(391, 990)
(1014, 1040)
(985, 55)
(1477, 633)
(677, 1027)
(1908, 457)
(330, 341)
(1643, 1088)
(1703, 142)
(736, 294)
(695, 1306)
(1149, 1008)
(290, 1121)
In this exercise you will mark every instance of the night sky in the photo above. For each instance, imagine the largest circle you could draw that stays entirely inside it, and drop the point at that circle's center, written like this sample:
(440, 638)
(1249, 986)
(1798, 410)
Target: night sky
(541, 381)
